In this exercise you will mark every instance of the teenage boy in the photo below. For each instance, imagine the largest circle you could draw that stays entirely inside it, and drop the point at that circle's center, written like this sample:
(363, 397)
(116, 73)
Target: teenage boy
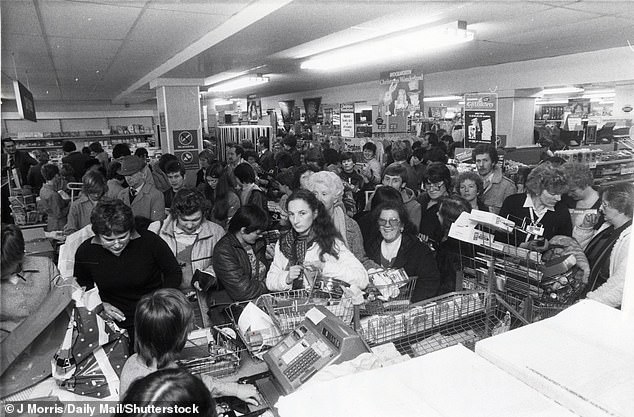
(395, 177)
(352, 183)
(76, 159)
(144, 199)
(496, 186)
(176, 177)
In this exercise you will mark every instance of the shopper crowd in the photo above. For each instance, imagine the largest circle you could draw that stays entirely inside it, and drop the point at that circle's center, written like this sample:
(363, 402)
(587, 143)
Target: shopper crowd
(262, 220)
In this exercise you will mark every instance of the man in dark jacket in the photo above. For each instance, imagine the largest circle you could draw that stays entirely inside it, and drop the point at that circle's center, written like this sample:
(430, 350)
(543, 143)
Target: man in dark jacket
(75, 158)
(16, 158)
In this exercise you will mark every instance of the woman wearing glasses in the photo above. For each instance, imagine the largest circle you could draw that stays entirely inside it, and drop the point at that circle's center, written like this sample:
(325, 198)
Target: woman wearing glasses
(436, 184)
(399, 248)
(607, 251)
(312, 241)
(192, 239)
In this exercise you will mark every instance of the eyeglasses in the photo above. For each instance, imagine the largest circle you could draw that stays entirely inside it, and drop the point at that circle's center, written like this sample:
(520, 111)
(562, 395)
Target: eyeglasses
(392, 222)
(605, 204)
(434, 187)
(465, 187)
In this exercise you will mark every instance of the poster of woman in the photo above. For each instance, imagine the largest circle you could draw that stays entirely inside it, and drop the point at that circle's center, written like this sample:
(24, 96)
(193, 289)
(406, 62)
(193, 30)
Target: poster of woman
(254, 108)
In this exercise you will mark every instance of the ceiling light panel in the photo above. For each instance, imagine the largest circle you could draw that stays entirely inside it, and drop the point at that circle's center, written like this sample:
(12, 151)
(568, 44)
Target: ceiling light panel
(239, 83)
(396, 46)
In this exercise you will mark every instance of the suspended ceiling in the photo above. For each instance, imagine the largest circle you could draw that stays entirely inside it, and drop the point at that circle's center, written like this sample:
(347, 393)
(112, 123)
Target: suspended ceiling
(110, 50)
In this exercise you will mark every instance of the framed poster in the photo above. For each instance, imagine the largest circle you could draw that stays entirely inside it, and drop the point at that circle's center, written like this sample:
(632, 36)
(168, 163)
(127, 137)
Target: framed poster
(254, 108)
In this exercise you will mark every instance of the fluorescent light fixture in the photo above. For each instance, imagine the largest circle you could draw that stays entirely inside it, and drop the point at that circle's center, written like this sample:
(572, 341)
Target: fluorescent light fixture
(222, 102)
(410, 43)
(562, 90)
(443, 98)
(552, 101)
(609, 101)
(238, 83)
(592, 94)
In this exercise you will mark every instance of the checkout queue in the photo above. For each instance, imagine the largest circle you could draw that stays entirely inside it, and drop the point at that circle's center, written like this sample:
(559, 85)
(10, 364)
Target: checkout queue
(211, 246)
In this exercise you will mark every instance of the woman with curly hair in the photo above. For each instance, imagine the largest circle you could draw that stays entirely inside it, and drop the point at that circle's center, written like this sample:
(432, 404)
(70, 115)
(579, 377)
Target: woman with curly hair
(220, 190)
(470, 187)
(540, 206)
(313, 241)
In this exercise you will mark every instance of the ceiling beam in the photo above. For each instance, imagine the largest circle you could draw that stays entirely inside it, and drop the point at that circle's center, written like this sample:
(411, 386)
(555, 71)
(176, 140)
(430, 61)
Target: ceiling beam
(244, 18)
(49, 50)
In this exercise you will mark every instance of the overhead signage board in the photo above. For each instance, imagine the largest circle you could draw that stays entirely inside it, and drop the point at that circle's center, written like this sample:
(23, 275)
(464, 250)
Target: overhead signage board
(24, 101)
(480, 113)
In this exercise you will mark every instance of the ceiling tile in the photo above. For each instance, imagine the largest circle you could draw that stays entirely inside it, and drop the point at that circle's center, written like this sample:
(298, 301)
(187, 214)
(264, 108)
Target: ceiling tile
(19, 17)
(83, 54)
(89, 21)
(220, 8)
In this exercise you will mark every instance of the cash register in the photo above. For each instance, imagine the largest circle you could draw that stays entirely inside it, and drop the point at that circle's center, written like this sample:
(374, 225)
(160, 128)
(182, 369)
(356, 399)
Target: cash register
(320, 340)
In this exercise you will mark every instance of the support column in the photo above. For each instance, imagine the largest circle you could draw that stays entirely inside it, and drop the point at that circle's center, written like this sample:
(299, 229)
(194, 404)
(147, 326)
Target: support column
(180, 119)
(516, 116)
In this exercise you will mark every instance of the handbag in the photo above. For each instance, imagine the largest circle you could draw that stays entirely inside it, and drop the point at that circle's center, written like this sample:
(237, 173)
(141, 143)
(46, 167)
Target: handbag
(91, 357)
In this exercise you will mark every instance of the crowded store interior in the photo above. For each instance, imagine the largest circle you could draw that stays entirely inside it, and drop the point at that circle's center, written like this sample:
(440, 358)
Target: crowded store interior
(229, 208)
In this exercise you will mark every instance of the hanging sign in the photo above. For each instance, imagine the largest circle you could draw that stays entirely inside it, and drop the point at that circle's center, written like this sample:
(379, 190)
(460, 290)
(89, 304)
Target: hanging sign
(480, 119)
(347, 120)
(401, 92)
(311, 106)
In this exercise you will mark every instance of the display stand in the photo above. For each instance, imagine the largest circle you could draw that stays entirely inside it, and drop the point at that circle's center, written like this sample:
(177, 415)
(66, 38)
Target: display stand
(237, 134)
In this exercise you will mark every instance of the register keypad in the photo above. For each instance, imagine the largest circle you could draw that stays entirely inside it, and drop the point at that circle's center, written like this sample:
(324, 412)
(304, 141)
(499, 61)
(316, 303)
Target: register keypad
(300, 364)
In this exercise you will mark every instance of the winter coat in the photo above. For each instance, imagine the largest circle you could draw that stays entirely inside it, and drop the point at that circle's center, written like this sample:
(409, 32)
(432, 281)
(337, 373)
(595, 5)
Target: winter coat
(233, 270)
(417, 260)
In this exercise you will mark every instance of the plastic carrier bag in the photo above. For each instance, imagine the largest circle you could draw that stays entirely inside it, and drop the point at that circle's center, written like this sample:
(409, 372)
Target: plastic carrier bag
(91, 357)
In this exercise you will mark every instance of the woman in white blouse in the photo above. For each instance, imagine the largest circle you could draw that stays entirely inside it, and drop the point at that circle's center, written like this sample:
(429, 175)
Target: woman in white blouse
(313, 241)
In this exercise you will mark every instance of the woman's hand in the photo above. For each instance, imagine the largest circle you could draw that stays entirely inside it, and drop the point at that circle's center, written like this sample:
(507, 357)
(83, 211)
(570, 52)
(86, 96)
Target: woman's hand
(113, 313)
(248, 393)
(294, 272)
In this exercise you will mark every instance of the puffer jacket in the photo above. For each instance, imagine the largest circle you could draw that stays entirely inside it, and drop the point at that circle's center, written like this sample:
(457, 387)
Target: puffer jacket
(233, 270)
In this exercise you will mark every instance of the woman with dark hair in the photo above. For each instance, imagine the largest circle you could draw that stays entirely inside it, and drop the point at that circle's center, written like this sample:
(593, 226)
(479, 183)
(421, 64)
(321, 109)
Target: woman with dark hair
(541, 206)
(173, 386)
(240, 257)
(220, 190)
(399, 248)
(470, 187)
(608, 250)
(163, 320)
(250, 192)
(192, 239)
(367, 223)
(437, 184)
(94, 188)
(124, 263)
(302, 175)
(449, 250)
(312, 241)
(25, 281)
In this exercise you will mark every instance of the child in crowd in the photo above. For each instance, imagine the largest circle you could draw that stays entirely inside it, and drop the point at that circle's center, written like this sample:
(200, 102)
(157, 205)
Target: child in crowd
(162, 322)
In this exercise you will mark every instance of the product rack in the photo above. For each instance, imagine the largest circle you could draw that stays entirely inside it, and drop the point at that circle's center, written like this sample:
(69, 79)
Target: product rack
(216, 354)
(461, 317)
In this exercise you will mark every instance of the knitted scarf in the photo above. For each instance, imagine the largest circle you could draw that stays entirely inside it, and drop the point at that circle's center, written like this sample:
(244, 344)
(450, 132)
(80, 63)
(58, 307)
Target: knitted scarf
(294, 247)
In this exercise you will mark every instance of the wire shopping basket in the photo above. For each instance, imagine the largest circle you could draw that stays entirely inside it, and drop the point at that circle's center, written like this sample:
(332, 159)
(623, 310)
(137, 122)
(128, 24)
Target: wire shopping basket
(460, 317)
(216, 353)
(389, 290)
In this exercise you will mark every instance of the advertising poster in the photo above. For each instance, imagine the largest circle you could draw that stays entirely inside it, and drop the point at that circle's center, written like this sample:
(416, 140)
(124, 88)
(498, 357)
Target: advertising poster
(254, 107)
(401, 92)
(24, 101)
(311, 106)
(286, 108)
(480, 119)
(186, 147)
(347, 120)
